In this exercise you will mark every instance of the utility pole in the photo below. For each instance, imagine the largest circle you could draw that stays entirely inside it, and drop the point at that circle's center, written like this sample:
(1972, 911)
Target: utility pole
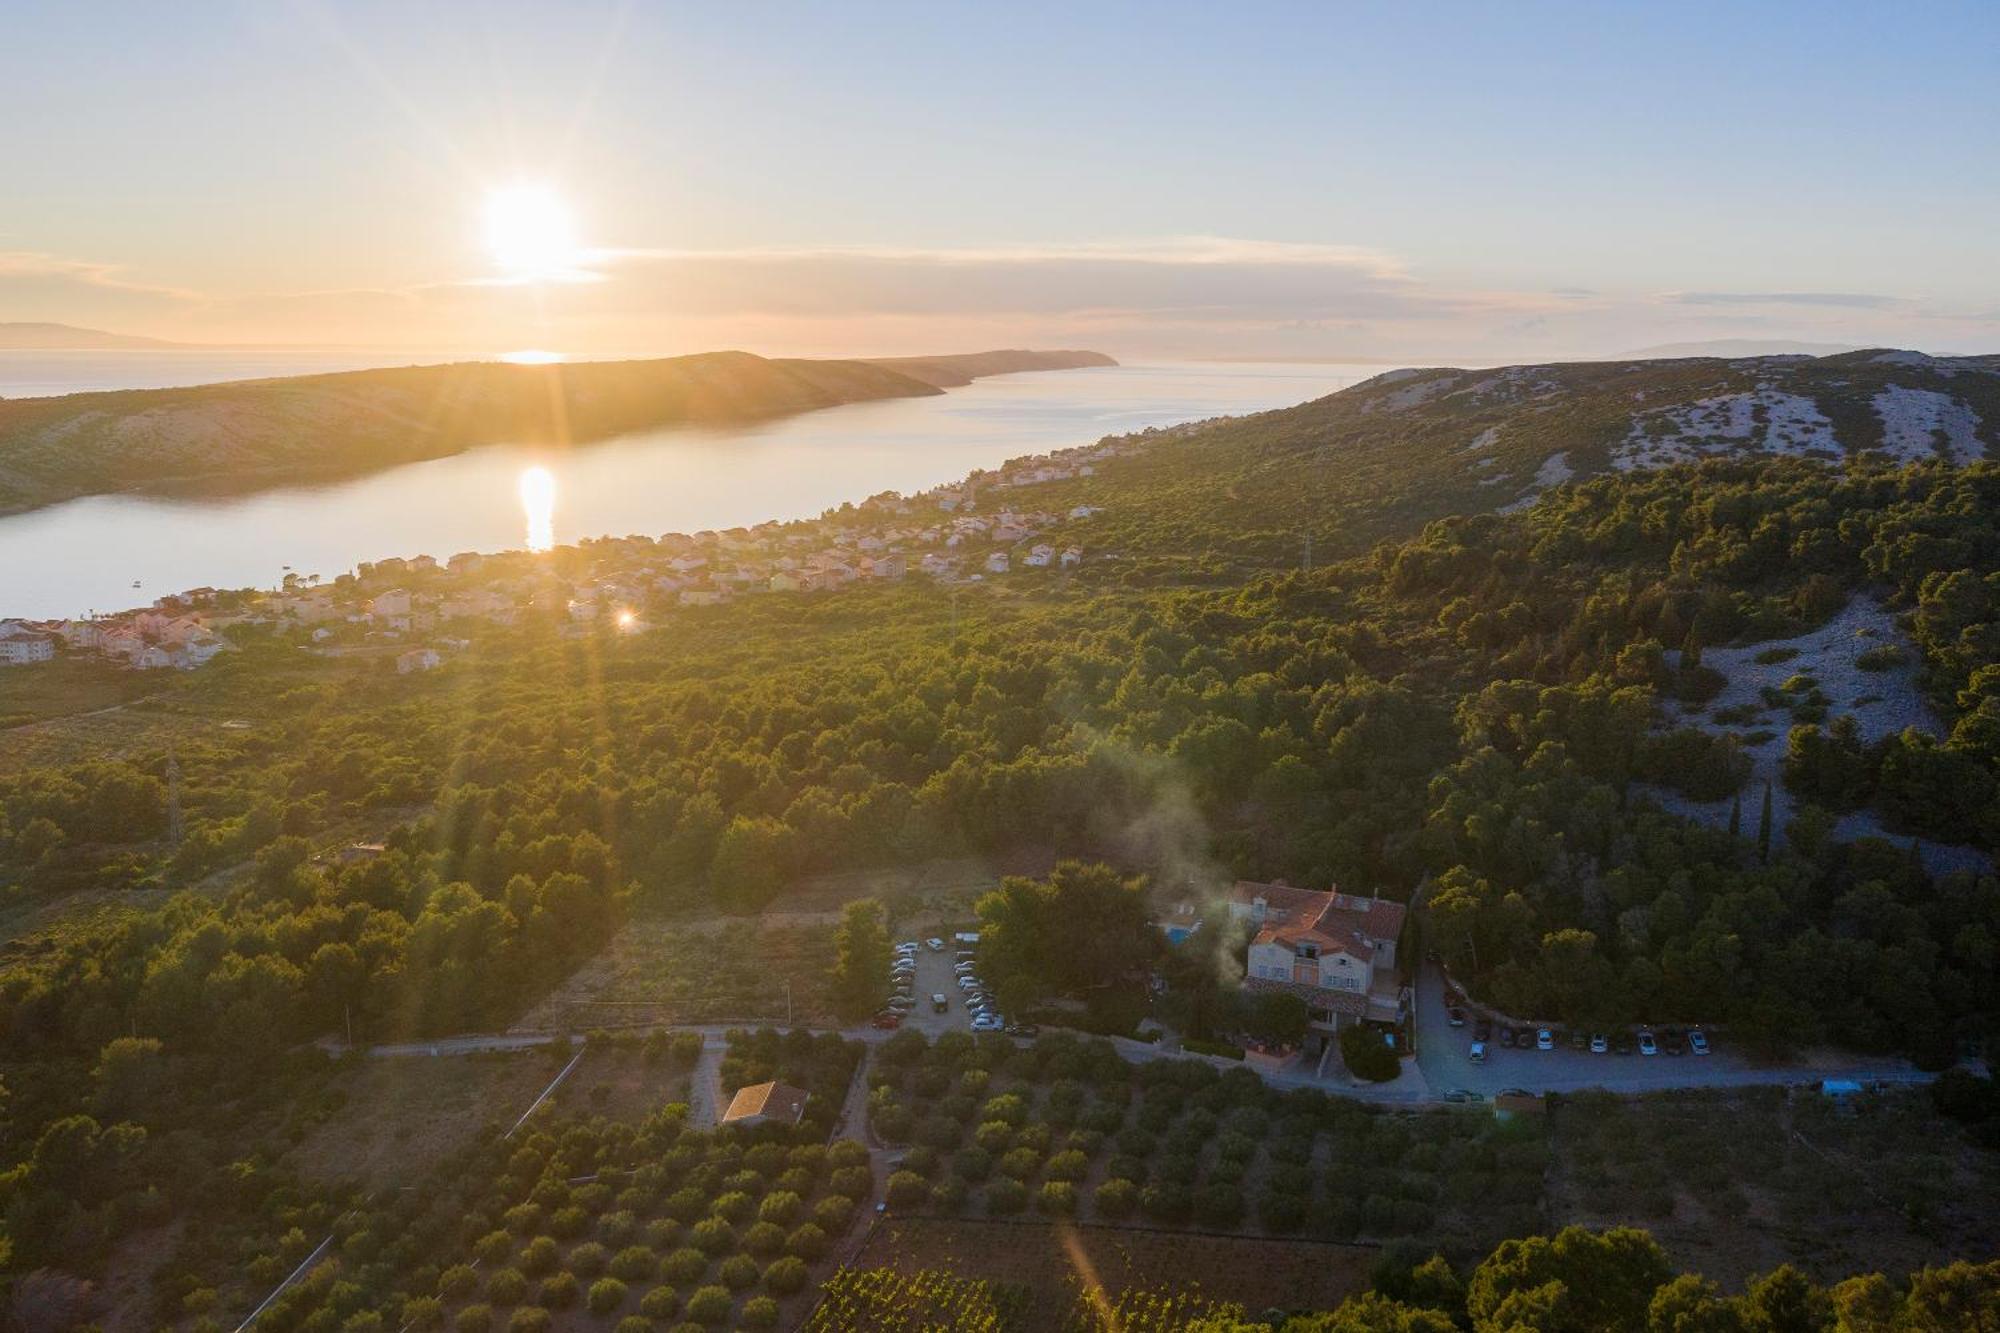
(788, 1004)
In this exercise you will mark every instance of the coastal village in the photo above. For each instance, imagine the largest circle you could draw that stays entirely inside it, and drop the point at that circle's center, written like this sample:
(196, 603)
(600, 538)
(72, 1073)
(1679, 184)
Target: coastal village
(418, 610)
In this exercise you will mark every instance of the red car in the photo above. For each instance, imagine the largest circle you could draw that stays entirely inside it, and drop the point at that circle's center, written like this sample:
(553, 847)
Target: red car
(888, 1018)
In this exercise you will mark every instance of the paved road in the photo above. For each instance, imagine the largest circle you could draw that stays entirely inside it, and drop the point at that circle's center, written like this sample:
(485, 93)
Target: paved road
(1441, 1060)
(1442, 1054)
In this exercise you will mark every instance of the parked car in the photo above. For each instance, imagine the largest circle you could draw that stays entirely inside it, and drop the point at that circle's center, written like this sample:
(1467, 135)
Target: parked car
(902, 1004)
(934, 944)
(964, 967)
(940, 1003)
(968, 983)
(1455, 1016)
(1478, 1052)
(988, 1023)
(1464, 1095)
(1673, 1041)
(1698, 1041)
(907, 946)
(1599, 1043)
(1647, 1046)
(888, 1018)
(1482, 1031)
(1545, 1040)
(1622, 1043)
(1507, 1037)
(1579, 1040)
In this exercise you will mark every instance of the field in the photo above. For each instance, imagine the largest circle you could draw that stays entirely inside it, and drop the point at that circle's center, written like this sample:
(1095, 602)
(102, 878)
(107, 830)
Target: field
(719, 970)
(394, 1117)
(1057, 1261)
(1734, 1183)
(68, 686)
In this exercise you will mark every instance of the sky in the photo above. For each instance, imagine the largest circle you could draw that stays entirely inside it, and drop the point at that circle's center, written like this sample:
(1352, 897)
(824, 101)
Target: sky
(1432, 181)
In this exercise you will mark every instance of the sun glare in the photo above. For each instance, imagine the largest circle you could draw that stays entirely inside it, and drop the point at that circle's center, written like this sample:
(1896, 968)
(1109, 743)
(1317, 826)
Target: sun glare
(538, 505)
(530, 232)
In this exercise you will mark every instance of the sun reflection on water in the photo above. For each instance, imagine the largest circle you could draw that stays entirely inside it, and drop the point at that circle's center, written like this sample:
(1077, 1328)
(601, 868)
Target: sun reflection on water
(538, 503)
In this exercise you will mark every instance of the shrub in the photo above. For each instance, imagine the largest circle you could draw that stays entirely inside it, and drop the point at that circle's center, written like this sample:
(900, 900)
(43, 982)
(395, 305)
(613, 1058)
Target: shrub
(738, 1271)
(1773, 656)
(559, 1290)
(474, 1319)
(1882, 657)
(785, 1276)
(662, 1232)
(492, 1247)
(635, 1263)
(973, 1164)
(735, 1206)
(457, 1281)
(529, 1320)
(633, 1323)
(710, 1305)
(588, 1259)
(759, 1312)
(616, 1228)
(1069, 1165)
(854, 1181)
(764, 1238)
(832, 1212)
(684, 1266)
(1116, 1198)
(423, 1312)
(1218, 1205)
(1058, 1197)
(507, 1286)
(606, 1295)
(808, 1242)
(1368, 1056)
(660, 1303)
(1006, 1196)
(713, 1235)
(568, 1222)
(781, 1207)
(523, 1219)
(907, 1189)
(1020, 1163)
(539, 1256)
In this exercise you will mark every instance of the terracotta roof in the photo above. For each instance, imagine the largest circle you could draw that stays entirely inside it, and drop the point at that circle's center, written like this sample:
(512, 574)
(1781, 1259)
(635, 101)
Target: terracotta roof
(768, 1101)
(1325, 917)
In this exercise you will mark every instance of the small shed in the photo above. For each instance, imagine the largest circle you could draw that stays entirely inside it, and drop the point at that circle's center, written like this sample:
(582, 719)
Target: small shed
(766, 1104)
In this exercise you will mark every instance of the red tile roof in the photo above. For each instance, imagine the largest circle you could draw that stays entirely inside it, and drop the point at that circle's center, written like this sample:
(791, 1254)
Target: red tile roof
(1325, 917)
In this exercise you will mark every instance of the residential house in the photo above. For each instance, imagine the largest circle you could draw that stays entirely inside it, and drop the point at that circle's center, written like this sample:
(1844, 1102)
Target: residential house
(1041, 557)
(766, 1104)
(996, 563)
(1334, 950)
(394, 602)
(1072, 557)
(418, 659)
(19, 647)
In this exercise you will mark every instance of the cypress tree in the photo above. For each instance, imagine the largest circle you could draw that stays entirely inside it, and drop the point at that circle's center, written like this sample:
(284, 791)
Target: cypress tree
(1764, 825)
(1736, 816)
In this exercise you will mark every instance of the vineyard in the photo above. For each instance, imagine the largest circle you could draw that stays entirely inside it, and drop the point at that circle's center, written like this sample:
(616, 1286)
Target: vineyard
(937, 1301)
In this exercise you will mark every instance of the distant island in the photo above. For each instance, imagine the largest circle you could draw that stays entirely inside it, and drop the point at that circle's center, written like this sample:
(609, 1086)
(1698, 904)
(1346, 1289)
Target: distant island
(248, 435)
(28, 336)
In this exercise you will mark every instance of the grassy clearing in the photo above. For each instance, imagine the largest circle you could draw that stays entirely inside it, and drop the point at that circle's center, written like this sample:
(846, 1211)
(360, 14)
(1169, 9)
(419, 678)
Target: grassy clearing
(715, 971)
(1734, 1183)
(393, 1118)
(70, 685)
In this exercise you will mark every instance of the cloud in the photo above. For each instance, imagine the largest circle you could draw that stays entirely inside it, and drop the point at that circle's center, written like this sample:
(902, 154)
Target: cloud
(1838, 300)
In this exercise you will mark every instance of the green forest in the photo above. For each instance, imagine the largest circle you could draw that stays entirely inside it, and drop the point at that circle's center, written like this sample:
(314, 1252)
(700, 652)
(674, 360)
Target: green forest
(1466, 707)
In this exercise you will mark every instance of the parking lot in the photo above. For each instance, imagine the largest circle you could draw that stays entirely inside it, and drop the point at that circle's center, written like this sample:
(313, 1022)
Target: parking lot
(935, 976)
(1443, 1056)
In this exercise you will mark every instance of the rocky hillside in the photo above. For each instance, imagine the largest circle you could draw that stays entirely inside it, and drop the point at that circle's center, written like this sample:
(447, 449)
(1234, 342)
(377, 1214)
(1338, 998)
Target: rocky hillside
(254, 433)
(1378, 459)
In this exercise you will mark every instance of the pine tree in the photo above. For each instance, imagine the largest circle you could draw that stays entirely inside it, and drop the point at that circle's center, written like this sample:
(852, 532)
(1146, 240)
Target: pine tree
(1691, 650)
(1736, 816)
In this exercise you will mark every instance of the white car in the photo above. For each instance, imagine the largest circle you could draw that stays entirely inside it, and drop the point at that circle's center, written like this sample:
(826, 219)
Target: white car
(988, 1023)
(968, 983)
(934, 944)
(965, 967)
(907, 946)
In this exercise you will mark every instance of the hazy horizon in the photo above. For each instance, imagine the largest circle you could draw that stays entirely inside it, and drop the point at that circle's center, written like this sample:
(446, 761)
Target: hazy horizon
(1464, 184)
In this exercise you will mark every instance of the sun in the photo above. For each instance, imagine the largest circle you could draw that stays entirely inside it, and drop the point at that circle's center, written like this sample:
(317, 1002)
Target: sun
(530, 232)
